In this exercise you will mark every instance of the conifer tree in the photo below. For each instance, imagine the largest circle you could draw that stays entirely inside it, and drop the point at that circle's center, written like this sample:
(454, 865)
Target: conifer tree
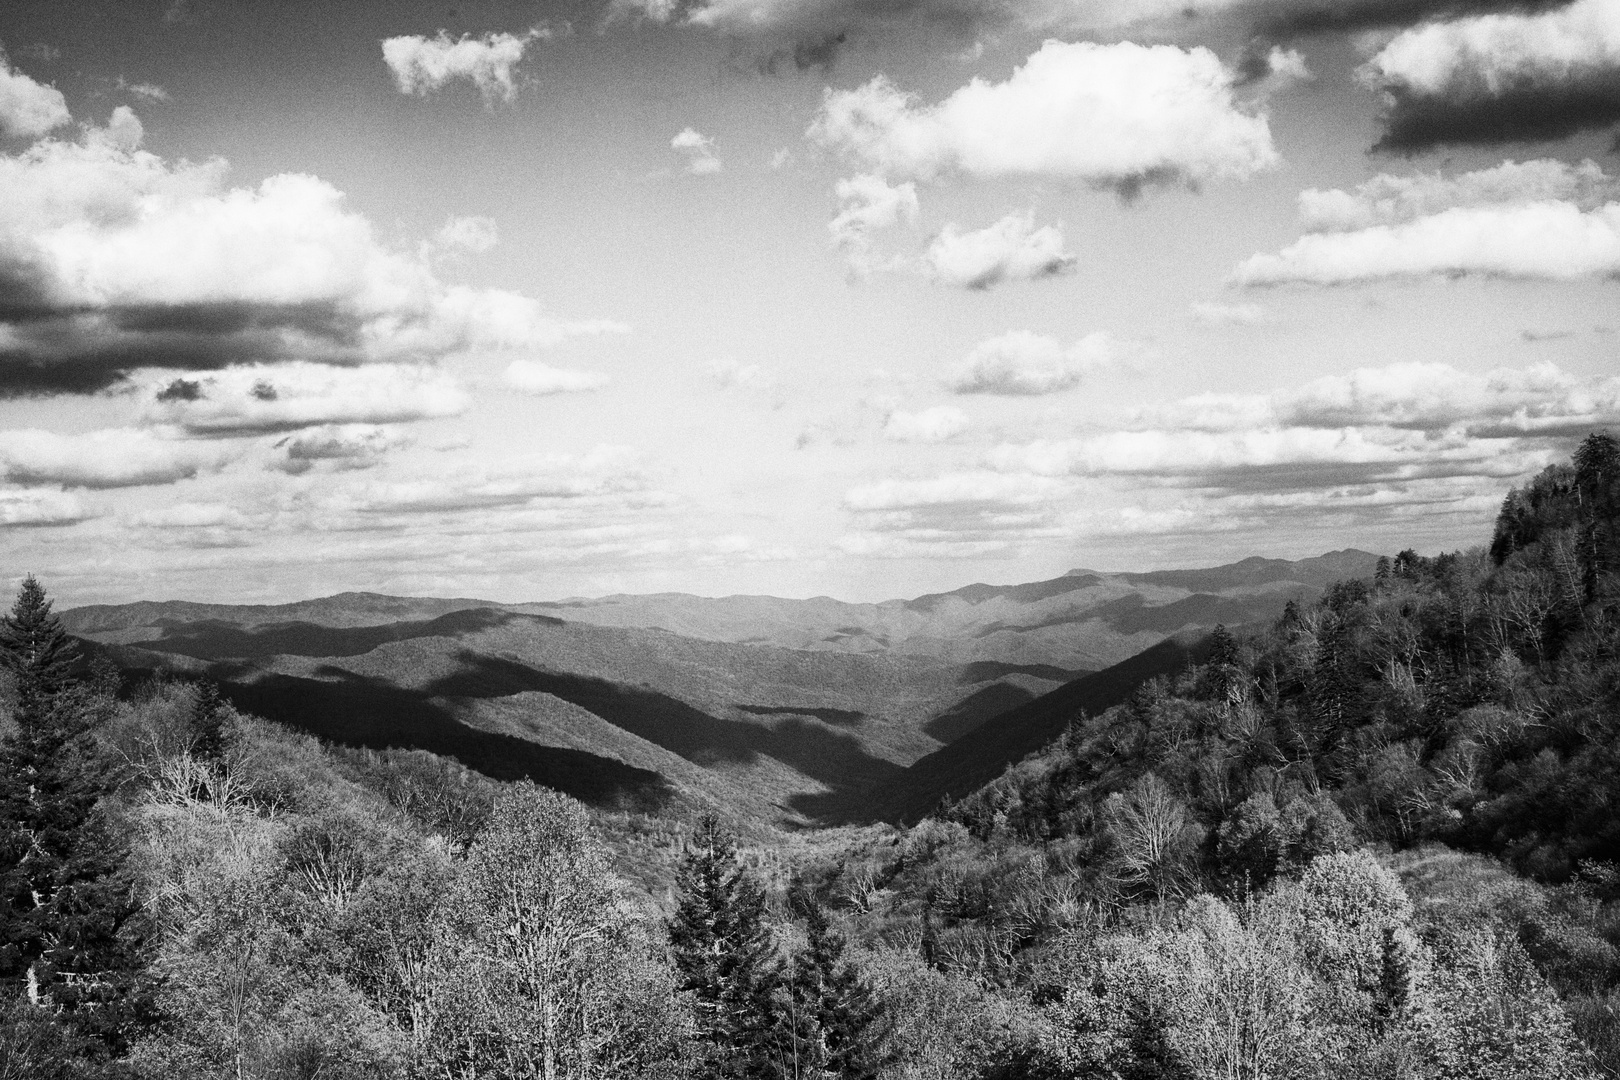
(724, 953)
(64, 897)
(839, 1024)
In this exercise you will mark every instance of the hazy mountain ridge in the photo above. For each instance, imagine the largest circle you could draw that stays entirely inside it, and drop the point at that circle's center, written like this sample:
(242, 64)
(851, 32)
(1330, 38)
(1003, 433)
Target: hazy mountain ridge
(807, 708)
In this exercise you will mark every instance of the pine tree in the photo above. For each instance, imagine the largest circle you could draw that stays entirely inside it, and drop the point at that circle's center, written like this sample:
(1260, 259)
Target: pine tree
(839, 1024)
(725, 954)
(65, 900)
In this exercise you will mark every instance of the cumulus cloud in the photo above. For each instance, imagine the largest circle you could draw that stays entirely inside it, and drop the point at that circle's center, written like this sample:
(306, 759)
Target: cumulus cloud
(1114, 116)
(869, 204)
(1012, 249)
(1403, 422)
(111, 458)
(1024, 363)
(533, 377)
(1500, 77)
(938, 424)
(1213, 314)
(28, 109)
(423, 64)
(697, 149)
(1537, 219)
(472, 235)
(25, 507)
(343, 446)
(149, 92)
(1549, 241)
(263, 398)
(112, 259)
(1391, 200)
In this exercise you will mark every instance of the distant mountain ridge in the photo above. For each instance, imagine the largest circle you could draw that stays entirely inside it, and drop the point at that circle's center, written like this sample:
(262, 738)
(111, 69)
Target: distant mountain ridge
(799, 710)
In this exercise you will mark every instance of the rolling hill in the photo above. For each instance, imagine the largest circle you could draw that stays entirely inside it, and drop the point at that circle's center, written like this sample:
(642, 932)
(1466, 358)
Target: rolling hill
(744, 701)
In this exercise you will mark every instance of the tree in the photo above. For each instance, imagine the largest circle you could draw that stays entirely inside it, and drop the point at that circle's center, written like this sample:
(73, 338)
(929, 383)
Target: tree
(537, 936)
(37, 651)
(725, 955)
(65, 902)
(839, 1024)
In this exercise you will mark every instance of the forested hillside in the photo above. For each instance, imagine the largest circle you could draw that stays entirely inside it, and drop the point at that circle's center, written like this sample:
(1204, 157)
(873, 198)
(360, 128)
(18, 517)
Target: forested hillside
(1375, 840)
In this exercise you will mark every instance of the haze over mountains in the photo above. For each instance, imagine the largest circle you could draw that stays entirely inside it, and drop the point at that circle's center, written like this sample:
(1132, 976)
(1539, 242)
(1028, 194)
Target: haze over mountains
(795, 710)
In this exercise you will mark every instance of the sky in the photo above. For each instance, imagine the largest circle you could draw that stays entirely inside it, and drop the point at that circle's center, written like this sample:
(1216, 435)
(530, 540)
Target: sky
(859, 298)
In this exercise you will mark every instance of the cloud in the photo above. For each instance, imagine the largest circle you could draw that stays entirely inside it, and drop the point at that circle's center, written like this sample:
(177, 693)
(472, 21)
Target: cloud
(1213, 314)
(533, 377)
(698, 150)
(423, 64)
(39, 507)
(473, 235)
(28, 109)
(149, 92)
(867, 204)
(1400, 423)
(1023, 363)
(1392, 200)
(733, 375)
(960, 514)
(1501, 77)
(264, 398)
(1012, 249)
(938, 424)
(1114, 116)
(1548, 241)
(1537, 219)
(605, 471)
(111, 458)
(112, 259)
(345, 446)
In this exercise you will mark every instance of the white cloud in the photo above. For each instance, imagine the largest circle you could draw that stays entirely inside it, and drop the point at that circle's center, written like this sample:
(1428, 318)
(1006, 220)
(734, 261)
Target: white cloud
(1400, 423)
(734, 375)
(867, 204)
(1501, 76)
(344, 446)
(1116, 116)
(1023, 363)
(1012, 249)
(1554, 241)
(954, 489)
(123, 261)
(423, 64)
(150, 92)
(472, 234)
(110, 458)
(31, 506)
(1393, 200)
(938, 424)
(1214, 314)
(192, 515)
(28, 109)
(605, 471)
(533, 377)
(698, 151)
(284, 397)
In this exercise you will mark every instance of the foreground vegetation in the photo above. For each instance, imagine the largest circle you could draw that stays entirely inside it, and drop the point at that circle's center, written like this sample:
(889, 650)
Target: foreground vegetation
(1376, 840)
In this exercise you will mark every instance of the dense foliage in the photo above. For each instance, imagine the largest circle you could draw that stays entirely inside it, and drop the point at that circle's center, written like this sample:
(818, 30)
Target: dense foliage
(1374, 840)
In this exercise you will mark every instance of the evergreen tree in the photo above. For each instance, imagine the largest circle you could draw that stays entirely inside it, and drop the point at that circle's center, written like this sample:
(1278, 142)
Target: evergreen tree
(839, 1024)
(725, 955)
(65, 900)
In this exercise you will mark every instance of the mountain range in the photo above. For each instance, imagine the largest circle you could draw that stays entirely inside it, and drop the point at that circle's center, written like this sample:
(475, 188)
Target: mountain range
(799, 711)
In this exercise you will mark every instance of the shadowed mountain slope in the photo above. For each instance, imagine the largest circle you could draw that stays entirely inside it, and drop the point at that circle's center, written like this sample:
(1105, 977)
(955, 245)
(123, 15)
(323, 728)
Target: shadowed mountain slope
(801, 710)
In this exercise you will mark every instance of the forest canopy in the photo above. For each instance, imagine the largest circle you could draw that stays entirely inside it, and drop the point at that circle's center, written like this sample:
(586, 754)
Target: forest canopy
(1375, 839)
